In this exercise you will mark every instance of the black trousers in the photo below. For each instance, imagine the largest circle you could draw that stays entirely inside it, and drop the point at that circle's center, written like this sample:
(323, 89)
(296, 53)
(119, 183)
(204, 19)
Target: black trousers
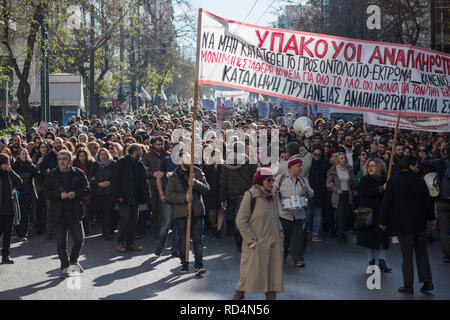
(105, 206)
(26, 205)
(6, 225)
(408, 244)
(62, 228)
(342, 213)
(293, 238)
(156, 210)
(128, 217)
(41, 213)
(236, 204)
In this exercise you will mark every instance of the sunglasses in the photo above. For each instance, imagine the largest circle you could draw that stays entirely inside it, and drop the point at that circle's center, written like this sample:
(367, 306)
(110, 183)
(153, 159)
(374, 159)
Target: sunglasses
(422, 150)
(327, 146)
(270, 180)
(317, 154)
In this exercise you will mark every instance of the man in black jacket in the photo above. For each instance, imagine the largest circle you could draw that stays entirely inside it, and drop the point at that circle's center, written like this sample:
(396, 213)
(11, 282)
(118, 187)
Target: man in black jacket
(65, 187)
(235, 180)
(131, 189)
(405, 210)
(49, 163)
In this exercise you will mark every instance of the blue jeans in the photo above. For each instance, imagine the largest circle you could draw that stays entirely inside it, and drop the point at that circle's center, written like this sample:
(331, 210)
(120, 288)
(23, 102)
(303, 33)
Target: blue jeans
(197, 224)
(373, 254)
(167, 219)
(314, 219)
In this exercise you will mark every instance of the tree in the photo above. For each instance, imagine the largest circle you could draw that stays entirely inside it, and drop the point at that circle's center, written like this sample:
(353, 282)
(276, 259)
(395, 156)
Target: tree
(27, 16)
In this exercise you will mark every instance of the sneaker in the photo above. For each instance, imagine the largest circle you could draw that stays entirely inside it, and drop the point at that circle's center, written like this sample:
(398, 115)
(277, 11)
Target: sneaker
(395, 240)
(64, 275)
(199, 270)
(184, 268)
(300, 263)
(78, 265)
(158, 252)
(316, 239)
(23, 239)
(446, 258)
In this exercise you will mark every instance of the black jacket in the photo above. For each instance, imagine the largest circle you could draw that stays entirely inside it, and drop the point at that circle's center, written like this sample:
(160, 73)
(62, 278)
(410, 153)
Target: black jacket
(27, 171)
(371, 196)
(125, 180)
(50, 161)
(152, 161)
(317, 180)
(102, 174)
(407, 204)
(212, 176)
(9, 181)
(53, 188)
(236, 179)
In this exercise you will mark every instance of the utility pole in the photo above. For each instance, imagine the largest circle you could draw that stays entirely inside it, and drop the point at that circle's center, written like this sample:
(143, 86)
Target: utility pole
(132, 70)
(139, 46)
(45, 100)
(121, 94)
(92, 109)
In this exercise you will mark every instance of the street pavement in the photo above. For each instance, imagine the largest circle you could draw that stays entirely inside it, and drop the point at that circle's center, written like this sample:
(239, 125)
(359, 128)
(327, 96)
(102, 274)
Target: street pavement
(333, 271)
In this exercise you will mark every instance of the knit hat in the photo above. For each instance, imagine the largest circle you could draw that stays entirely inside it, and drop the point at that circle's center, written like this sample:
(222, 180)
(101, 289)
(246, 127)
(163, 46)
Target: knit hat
(293, 162)
(261, 175)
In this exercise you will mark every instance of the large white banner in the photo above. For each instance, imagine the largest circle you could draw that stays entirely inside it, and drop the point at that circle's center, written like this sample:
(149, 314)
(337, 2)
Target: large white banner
(325, 70)
(416, 123)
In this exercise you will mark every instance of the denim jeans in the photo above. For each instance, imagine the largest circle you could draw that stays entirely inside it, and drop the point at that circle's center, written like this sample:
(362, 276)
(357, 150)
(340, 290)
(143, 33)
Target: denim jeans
(314, 219)
(373, 254)
(197, 224)
(167, 219)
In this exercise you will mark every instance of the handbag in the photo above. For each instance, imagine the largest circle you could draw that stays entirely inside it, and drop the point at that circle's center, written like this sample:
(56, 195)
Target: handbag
(364, 217)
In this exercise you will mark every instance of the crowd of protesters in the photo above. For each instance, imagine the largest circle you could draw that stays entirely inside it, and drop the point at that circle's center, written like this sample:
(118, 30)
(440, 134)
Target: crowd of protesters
(117, 172)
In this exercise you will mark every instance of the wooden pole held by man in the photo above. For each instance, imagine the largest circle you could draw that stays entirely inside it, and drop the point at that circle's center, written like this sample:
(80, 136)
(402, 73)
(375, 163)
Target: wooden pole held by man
(194, 118)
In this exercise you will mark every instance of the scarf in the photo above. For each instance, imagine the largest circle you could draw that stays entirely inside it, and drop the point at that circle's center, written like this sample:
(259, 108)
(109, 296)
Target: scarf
(263, 193)
(104, 164)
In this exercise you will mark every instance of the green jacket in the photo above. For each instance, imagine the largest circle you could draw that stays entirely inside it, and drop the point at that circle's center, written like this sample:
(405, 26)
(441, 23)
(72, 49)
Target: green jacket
(176, 193)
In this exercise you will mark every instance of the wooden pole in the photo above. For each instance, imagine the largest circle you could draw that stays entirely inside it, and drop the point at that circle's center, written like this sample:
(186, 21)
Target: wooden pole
(394, 144)
(194, 118)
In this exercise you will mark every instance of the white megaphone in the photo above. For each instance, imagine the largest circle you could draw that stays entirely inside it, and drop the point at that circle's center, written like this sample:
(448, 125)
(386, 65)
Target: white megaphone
(431, 182)
(304, 125)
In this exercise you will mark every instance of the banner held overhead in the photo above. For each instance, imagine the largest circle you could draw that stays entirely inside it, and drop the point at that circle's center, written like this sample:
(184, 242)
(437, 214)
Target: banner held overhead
(337, 72)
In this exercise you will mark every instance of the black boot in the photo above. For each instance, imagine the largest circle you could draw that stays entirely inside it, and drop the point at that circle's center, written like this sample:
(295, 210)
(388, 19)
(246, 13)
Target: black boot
(271, 295)
(372, 262)
(406, 290)
(239, 295)
(383, 266)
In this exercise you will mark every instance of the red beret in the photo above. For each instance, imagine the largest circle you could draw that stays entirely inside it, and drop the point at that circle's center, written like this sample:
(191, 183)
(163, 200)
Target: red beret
(294, 161)
(261, 175)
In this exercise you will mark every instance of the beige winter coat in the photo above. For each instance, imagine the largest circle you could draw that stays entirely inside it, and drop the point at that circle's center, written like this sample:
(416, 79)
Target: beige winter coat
(262, 266)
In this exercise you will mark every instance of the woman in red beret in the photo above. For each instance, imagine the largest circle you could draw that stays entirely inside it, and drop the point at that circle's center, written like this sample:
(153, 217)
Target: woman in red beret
(262, 245)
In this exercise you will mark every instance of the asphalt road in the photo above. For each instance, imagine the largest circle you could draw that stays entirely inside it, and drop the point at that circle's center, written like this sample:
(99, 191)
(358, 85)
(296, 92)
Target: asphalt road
(333, 271)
